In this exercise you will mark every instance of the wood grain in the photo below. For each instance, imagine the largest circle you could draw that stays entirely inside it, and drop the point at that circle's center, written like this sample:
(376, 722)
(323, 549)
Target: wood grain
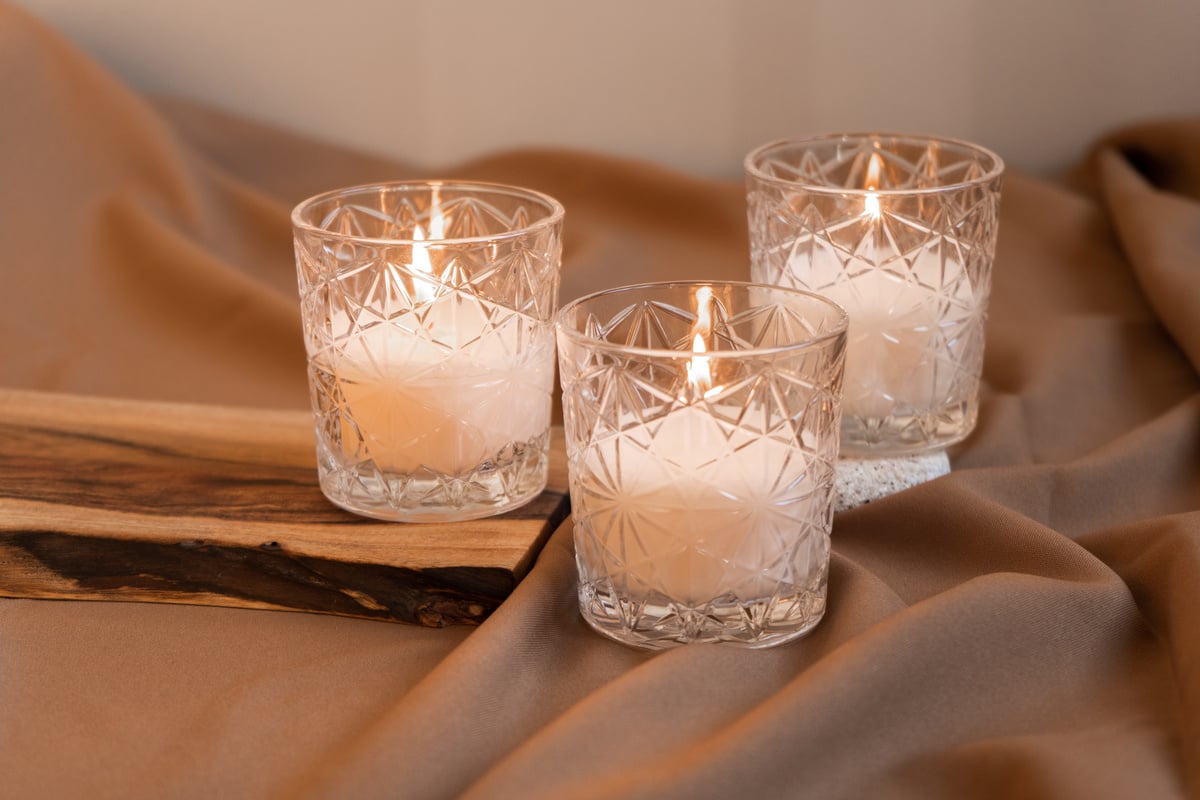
(120, 500)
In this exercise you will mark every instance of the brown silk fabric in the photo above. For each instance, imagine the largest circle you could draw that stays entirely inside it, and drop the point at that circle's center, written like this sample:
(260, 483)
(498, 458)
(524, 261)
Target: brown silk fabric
(1026, 627)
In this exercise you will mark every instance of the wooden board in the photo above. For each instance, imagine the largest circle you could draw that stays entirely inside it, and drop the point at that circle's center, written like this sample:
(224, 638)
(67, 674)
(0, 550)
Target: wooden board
(154, 502)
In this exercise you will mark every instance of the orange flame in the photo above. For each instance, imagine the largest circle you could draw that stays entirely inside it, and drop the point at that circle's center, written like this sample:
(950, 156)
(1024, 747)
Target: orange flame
(420, 251)
(699, 373)
(871, 205)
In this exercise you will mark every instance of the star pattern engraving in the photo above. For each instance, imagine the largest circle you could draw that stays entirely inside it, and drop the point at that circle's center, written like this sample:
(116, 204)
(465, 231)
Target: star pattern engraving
(692, 510)
(912, 266)
(380, 312)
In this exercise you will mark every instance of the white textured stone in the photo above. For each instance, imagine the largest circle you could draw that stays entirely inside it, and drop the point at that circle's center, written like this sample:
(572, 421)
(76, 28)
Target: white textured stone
(861, 480)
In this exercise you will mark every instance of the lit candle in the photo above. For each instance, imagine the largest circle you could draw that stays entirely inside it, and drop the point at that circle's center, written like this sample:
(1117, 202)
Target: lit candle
(435, 388)
(702, 428)
(696, 508)
(901, 313)
(428, 320)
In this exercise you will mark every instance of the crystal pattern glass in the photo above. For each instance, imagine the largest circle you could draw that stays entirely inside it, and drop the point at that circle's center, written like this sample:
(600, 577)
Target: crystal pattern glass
(428, 315)
(900, 231)
(702, 431)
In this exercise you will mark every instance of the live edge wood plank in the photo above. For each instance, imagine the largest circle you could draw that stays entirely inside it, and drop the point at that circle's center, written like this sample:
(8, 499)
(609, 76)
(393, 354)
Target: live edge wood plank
(106, 499)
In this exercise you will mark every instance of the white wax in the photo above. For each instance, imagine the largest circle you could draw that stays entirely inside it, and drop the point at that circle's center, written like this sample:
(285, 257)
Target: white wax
(708, 511)
(897, 328)
(429, 391)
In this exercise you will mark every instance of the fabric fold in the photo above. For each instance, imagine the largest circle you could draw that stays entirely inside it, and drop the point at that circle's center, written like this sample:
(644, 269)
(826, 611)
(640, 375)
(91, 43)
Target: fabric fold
(1149, 177)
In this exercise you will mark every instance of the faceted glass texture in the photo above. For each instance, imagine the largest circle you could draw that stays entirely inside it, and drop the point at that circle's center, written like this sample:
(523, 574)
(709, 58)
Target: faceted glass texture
(428, 321)
(900, 231)
(702, 432)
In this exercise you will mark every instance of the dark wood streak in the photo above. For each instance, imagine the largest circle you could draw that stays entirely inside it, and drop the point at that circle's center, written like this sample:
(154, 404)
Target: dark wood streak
(267, 575)
(110, 473)
(132, 476)
(76, 437)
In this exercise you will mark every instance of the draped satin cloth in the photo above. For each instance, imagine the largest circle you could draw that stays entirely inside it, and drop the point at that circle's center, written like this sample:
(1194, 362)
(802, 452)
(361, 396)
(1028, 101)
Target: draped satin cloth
(1027, 626)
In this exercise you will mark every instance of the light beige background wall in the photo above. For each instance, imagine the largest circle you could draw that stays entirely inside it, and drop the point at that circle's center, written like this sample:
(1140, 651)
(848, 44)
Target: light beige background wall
(691, 84)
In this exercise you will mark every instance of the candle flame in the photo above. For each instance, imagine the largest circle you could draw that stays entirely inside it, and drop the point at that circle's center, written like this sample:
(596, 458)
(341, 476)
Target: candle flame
(871, 205)
(437, 220)
(699, 373)
(420, 251)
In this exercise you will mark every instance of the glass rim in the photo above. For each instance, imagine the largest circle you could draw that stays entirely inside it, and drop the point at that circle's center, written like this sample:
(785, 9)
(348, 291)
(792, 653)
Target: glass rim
(840, 328)
(751, 168)
(554, 215)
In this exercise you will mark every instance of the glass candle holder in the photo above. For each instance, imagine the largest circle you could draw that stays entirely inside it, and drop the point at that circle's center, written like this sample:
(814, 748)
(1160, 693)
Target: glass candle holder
(900, 231)
(428, 313)
(702, 431)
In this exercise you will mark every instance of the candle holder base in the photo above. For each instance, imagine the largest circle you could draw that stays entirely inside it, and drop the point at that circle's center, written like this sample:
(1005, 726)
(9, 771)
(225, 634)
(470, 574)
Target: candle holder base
(858, 481)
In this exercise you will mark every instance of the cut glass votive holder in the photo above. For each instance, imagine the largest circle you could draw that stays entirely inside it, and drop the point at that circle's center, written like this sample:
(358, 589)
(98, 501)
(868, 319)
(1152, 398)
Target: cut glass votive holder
(900, 231)
(428, 313)
(702, 431)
